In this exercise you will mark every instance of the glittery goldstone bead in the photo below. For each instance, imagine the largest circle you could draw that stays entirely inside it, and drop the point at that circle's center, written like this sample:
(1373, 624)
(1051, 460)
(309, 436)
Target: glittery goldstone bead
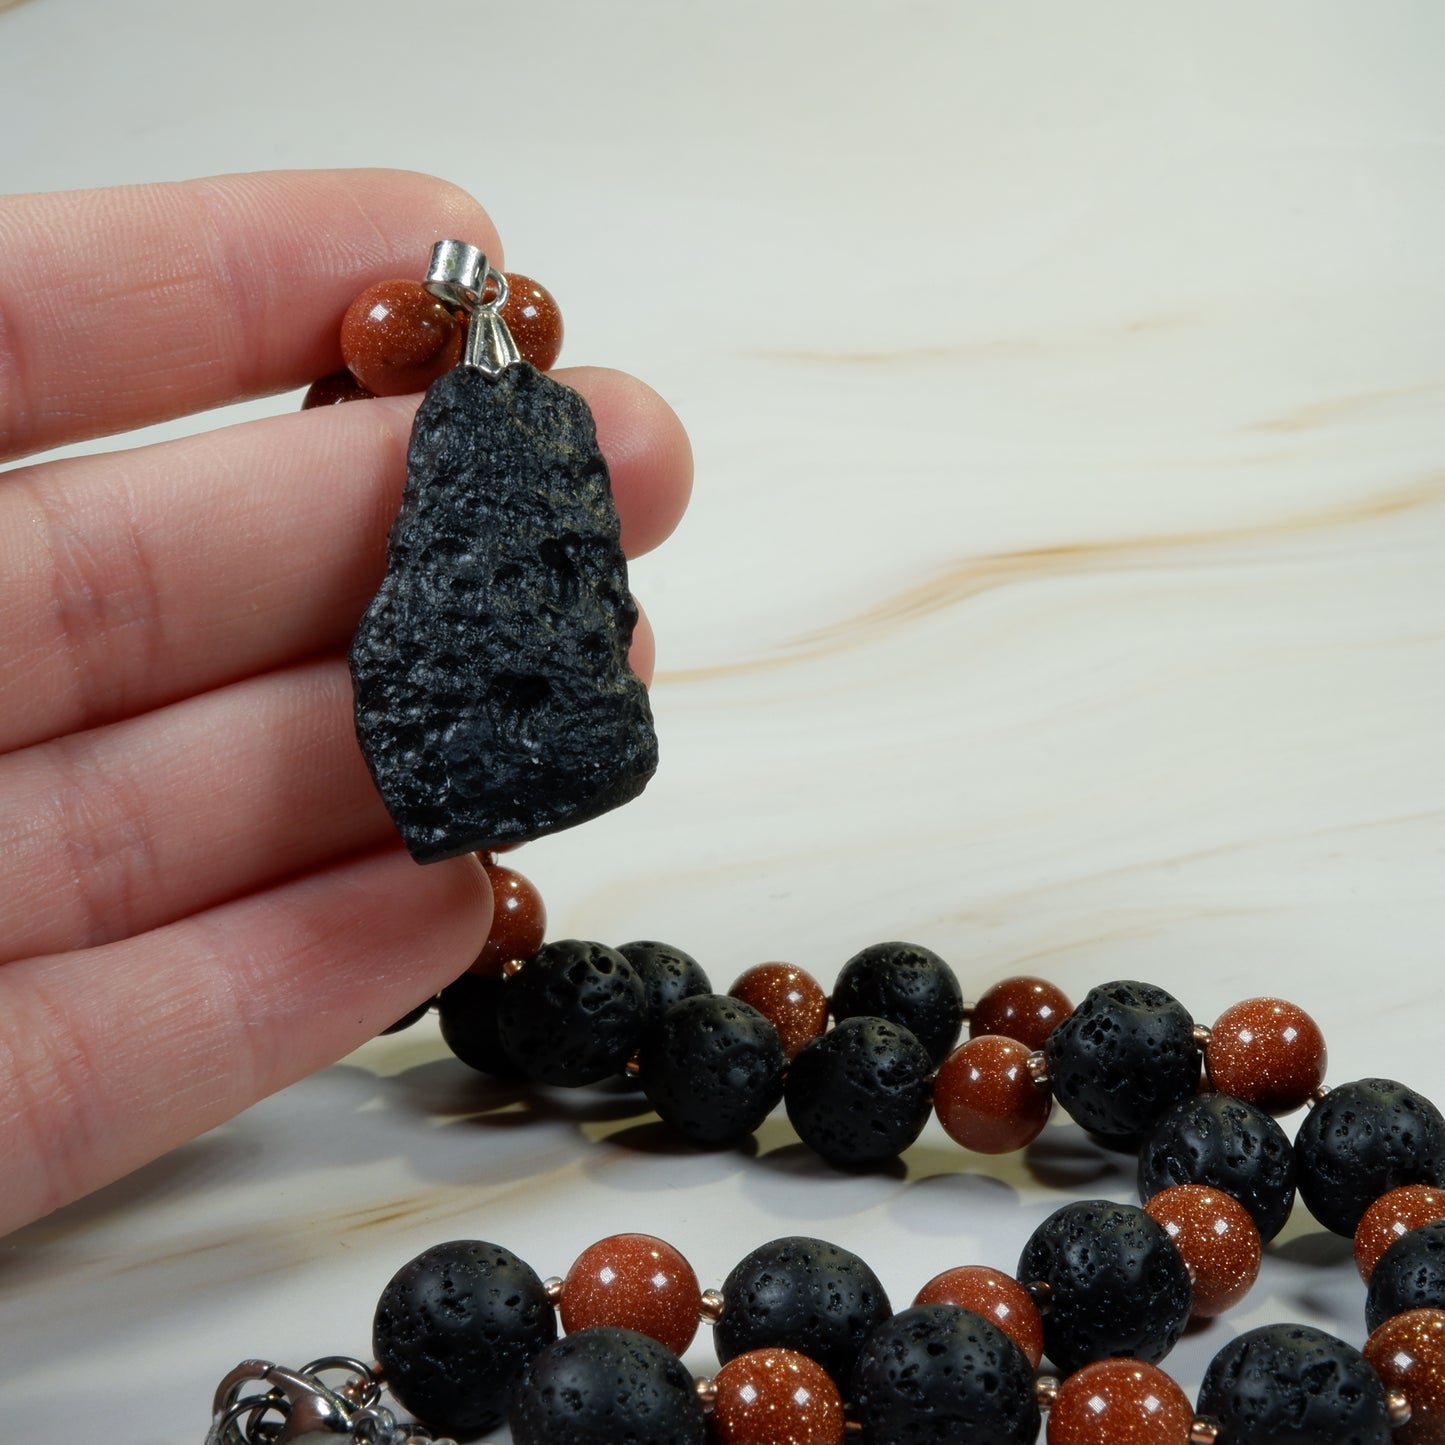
(1394, 1213)
(331, 390)
(396, 337)
(534, 319)
(1218, 1239)
(791, 999)
(636, 1282)
(1408, 1354)
(775, 1397)
(985, 1097)
(1120, 1402)
(998, 1297)
(519, 920)
(1024, 1008)
(1268, 1051)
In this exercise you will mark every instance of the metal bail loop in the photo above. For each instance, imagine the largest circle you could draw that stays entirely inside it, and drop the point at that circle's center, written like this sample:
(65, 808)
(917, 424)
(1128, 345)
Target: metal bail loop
(458, 276)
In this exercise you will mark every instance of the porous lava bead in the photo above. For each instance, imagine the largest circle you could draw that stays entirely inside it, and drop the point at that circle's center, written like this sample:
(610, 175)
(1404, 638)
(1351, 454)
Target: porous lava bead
(467, 1013)
(1294, 1385)
(1024, 1008)
(334, 389)
(454, 1329)
(999, 1298)
(414, 1016)
(1408, 1354)
(1362, 1140)
(1123, 1059)
(519, 920)
(603, 1386)
(985, 1097)
(1120, 1402)
(1229, 1145)
(936, 1372)
(534, 319)
(1117, 1285)
(860, 1095)
(1410, 1275)
(1218, 1239)
(712, 1068)
(1268, 1051)
(396, 337)
(636, 1281)
(668, 974)
(909, 986)
(1391, 1215)
(805, 1295)
(775, 1397)
(573, 1015)
(791, 999)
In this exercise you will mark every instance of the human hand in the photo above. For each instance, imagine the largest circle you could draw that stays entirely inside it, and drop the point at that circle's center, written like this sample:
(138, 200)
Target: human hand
(202, 898)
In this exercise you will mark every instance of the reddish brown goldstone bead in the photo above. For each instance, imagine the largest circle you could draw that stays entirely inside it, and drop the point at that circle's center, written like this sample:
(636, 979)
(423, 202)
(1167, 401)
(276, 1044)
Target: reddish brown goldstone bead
(775, 1397)
(397, 338)
(519, 921)
(998, 1297)
(1408, 1354)
(534, 319)
(985, 1097)
(1023, 1008)
(635, 1282)
(790, 999)
(331, 390)
(1392, 1215)
(1120, 1402)
(1268, 1052)
(1219, 1241)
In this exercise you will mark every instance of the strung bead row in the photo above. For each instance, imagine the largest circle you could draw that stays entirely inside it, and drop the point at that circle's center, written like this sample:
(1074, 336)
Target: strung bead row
(466, 1335)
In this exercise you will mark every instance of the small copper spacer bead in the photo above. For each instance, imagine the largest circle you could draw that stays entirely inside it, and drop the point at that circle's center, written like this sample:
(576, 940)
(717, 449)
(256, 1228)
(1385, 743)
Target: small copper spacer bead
(1041, 1292)
(1046, 1391)
(633, 1067)
(1038, 1068)
(710, 1310)
(1318, 1096)
(513, 966)
(968, 1009)
(706, 1393)
(1399, 1409)
(1202, 1035)
(1203, 1432)
(552, 1287)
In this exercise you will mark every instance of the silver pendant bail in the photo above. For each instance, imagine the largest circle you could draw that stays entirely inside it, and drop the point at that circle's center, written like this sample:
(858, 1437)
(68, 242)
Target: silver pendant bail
(458, 276)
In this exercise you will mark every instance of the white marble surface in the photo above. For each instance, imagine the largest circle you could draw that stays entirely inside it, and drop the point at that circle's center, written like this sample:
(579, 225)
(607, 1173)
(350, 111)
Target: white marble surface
(1064, 587)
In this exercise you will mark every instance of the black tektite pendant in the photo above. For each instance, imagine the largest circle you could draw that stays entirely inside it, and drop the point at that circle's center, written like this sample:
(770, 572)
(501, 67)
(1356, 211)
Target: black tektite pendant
(494, 702)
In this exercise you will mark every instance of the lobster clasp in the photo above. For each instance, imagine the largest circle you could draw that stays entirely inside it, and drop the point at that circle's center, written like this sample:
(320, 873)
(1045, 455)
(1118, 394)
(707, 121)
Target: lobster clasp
(297, 1407)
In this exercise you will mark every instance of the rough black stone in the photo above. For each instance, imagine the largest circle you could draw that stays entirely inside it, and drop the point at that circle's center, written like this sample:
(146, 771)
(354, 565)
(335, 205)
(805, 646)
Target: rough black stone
(908, 985)
(713, 1068)
(467, 1013)
(1362, 1140)
(1410, 1275)
(1117, 1284)
(573, 1015)
(494, 702)
(937, 1373)
(1294, 1385)
(805, 1295)
(454, 1329)
(605, 1386)
(1123, 1059)
(860, 1094)
(1230, 1145)
(668, 974)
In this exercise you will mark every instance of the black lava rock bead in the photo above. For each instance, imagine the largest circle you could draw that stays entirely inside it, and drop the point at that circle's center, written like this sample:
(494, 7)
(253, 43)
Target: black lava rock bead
(467, 1012)
(1232, 1146)
(1117, 1284)
(604, 1386)
(453, 1331)
(668, 974)
(1294, 1385)
(1410, 1275)
(415, 1016)
(909, 986)
(805, 1295)
(1123, 1059)
(1362, 1140)
(860, 1094)
(573, 1015)
(712, 1067)
(939, 1373)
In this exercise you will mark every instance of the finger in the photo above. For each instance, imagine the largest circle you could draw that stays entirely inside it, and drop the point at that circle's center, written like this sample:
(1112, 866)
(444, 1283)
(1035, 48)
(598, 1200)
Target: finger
(643, 655)
(111, 1056)
(130, 580)
(127, 306)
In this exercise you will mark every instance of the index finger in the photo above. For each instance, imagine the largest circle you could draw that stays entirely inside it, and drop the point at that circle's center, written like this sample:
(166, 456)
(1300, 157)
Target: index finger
(128, 306)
